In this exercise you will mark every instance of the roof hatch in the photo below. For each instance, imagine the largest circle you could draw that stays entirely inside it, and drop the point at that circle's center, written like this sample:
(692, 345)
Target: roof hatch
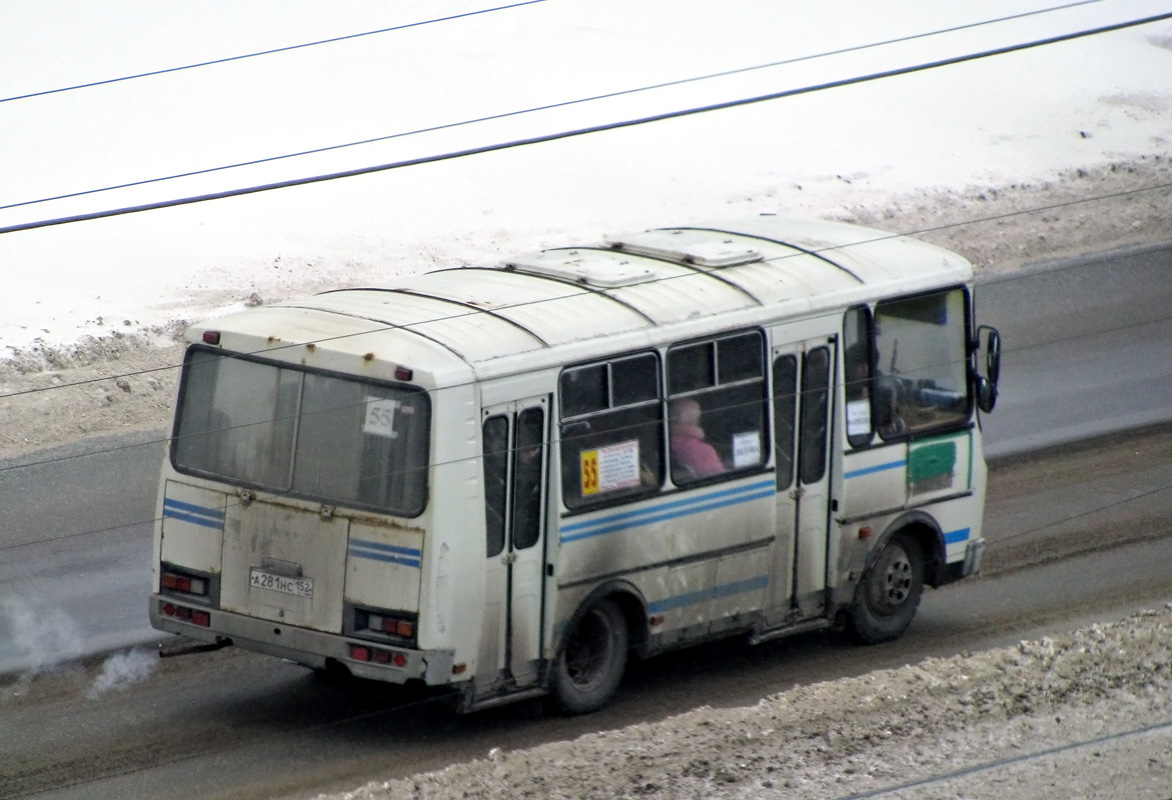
(709, 249)
(590, 267)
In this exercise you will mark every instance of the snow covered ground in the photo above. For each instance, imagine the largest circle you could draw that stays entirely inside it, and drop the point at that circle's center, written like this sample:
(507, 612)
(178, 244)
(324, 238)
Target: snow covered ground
(1086, 715)
(1019, 118)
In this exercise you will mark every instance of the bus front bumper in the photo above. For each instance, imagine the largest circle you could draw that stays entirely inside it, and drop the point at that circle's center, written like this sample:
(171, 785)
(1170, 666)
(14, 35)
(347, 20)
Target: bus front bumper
(315, 649)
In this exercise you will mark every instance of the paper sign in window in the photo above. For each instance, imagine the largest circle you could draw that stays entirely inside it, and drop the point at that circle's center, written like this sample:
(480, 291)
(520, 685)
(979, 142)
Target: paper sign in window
(610, 468)
(858, 417)
(746, 449)
(380, 417)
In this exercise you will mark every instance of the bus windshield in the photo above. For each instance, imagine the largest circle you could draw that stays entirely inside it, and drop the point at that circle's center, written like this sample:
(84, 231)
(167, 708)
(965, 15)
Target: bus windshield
(319, 436)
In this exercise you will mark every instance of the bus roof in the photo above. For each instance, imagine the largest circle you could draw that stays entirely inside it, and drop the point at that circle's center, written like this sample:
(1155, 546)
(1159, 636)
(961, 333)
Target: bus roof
(665, 283)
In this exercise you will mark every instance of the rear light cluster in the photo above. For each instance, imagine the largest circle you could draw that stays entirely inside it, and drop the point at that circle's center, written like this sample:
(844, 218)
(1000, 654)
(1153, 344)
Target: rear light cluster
(398, 626)
(188, 584)
(360, 652)
(194, 616)
(403, 628)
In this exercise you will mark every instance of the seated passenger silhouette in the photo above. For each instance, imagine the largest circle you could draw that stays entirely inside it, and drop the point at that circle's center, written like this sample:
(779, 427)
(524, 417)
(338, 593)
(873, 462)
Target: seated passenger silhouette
(691, 456)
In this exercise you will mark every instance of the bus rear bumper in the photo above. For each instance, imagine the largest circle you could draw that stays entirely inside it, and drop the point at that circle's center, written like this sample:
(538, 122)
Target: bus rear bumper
(315, 649)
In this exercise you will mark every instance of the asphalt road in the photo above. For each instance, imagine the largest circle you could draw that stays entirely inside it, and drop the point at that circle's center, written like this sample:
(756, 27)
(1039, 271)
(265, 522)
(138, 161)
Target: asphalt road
(1087, 351)
(1084, 353)
(236, 724)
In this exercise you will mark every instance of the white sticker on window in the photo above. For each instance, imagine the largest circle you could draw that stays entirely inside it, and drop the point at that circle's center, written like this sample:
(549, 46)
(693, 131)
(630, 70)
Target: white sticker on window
(858, 417)
(380, 417)
(618, 466)
(746, 449)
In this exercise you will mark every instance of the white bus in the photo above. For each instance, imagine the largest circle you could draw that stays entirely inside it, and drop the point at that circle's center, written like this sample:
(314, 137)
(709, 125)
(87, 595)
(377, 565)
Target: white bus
(504, 481)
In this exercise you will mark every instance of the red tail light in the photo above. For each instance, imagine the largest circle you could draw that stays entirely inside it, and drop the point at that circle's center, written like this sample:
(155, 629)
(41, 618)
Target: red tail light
(377, 655)
(194, 616)
(179, 582)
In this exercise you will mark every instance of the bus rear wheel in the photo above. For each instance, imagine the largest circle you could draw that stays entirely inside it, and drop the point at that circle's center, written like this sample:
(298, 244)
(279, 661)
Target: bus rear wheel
(592, 660)
(889, 593)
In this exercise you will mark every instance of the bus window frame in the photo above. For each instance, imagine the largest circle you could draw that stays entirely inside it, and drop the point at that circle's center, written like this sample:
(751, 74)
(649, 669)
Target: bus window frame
(565, 481)
(177, 417)
(762, 379)
(961, 422)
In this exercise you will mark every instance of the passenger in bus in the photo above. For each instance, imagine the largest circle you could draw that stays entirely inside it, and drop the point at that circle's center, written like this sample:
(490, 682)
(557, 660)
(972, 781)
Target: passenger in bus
(691, 456)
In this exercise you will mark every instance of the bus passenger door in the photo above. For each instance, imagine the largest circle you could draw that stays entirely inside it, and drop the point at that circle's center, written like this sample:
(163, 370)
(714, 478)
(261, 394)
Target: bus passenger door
(515, 464)
(801, 436)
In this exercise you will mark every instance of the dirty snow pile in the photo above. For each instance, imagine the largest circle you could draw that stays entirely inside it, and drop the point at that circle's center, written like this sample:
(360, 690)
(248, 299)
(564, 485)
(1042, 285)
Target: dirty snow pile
(1096, 705)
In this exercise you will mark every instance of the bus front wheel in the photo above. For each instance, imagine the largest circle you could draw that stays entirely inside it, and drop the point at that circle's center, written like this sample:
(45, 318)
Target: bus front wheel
(590, 666)
(889, 592)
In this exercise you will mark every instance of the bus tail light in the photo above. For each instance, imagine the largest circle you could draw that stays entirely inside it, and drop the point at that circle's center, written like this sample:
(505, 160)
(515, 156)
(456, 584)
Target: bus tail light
(395, 627)
(184, 614)
(399, 626)
(390, 658)
(180, 582)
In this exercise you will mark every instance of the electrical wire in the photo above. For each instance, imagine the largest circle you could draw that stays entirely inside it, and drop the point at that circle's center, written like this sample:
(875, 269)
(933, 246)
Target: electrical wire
(547, 107)
(285, 49)
(566, 134)
(510, 306)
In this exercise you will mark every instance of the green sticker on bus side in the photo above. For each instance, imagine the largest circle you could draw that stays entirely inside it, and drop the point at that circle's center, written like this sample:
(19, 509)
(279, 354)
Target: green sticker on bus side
(931, 466)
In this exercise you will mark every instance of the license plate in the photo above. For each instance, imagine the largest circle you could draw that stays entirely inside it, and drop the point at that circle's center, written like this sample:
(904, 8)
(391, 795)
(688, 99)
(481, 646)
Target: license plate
(299, 587)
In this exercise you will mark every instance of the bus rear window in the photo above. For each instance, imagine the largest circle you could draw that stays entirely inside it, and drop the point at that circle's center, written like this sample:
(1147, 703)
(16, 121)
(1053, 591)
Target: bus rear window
(321, 436)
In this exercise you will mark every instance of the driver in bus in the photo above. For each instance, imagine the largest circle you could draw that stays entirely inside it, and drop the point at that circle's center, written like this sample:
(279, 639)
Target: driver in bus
(691, 456)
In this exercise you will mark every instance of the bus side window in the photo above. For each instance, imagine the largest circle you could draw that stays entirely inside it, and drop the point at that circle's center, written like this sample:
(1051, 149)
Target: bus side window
(496, 471)
(857, 361)
(921, 369)
(528, 478)
(785, 405)
(611, 430)
(716, 400)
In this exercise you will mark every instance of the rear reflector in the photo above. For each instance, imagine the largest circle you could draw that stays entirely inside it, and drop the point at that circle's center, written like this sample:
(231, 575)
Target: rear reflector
(195, 617)
(376, 655)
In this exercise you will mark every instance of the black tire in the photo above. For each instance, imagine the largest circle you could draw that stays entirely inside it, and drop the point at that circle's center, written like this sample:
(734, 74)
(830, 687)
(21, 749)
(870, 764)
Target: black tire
(592, 659)
(889, 593)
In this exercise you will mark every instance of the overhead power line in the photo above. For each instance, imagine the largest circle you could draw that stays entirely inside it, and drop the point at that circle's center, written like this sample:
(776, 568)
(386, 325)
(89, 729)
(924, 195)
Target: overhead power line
(695, 110)
(285, 49)
(936, 228)
(549, 106)
(461, 314)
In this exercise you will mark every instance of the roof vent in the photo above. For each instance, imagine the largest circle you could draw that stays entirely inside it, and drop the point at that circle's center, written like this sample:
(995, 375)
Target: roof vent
(590, 267)
(708, 249)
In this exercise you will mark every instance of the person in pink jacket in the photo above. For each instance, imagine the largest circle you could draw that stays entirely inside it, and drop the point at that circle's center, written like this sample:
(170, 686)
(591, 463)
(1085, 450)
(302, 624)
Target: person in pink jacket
(691, 456)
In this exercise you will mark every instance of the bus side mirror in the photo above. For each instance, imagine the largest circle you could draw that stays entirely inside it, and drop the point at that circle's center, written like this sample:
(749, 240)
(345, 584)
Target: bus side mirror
(986, 394)
(989, 340)
(992, 348)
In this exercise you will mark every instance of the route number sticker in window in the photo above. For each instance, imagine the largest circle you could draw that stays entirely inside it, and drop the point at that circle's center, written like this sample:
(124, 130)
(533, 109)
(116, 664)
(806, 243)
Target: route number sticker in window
(380, 417)
(610, 468)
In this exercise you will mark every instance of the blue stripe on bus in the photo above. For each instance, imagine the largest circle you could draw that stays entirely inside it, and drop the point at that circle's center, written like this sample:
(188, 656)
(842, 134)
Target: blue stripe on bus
(955, 537)
(196, 515)
(712, 593)
(666, 511)
(877, 468)
(385, 553)
(386, 548)
(406, 562)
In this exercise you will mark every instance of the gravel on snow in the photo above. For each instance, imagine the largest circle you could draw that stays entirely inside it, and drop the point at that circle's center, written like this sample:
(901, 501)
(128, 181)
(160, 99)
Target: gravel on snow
(969, 726)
